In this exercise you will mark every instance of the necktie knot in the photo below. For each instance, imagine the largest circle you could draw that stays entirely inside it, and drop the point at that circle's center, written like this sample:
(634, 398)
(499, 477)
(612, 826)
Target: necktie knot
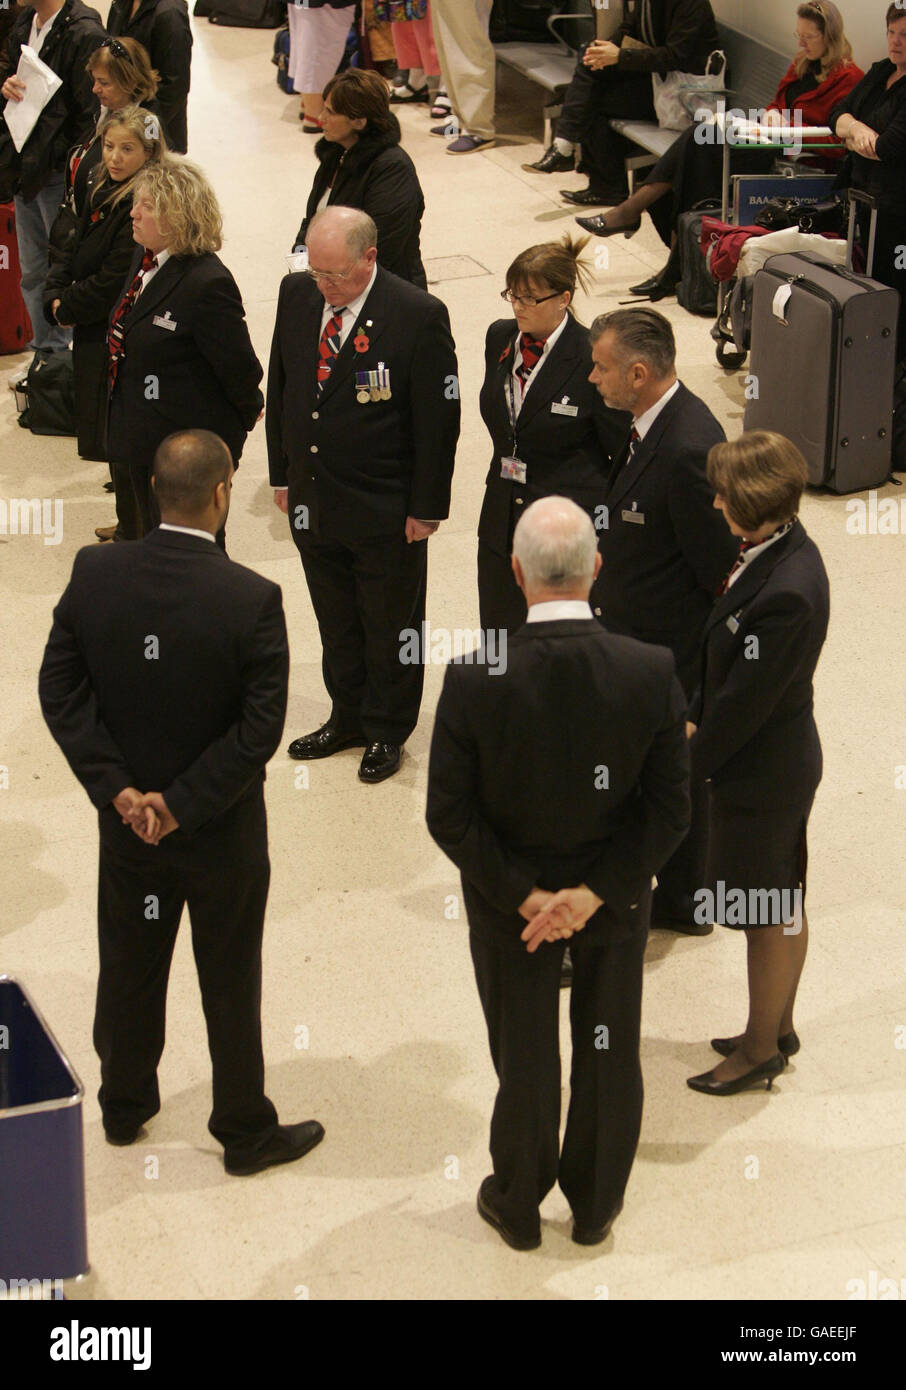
(149, 260)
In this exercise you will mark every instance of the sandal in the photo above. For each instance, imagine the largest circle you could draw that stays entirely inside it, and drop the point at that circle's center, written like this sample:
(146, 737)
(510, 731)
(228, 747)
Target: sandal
(406, 94)
(442, 106)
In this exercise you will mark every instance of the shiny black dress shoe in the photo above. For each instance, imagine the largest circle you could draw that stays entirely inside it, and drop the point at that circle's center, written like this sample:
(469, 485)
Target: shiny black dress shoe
(646, 286)
(598, 227)
(487, 1213)
(765, 1071)
(379, 761)
(120, 1138)
(594, 1235)
(655, 289)
(787, 1043)
(594, 197)
(324, 741)
(552, 162)
(289, 1143)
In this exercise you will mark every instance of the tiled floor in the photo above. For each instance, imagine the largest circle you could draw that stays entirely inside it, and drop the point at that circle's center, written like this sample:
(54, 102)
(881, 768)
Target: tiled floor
(788, 1195)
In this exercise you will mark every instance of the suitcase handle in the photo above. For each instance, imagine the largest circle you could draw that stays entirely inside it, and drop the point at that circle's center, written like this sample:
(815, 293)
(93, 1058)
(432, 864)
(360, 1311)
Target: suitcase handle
(857, 196)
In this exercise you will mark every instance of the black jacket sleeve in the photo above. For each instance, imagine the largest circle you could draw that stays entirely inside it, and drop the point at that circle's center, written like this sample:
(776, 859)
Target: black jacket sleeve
(685, 47)
(222, 772)
(394, 200)
(91, 299)
(171, 55)
(273, 418)
(701, 531)
(222, 337)
(435, 409)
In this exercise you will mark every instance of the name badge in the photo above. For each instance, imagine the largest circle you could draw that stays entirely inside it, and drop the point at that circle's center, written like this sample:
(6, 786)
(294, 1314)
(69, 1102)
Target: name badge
(564, 408)
(514, 469)
(164, 322)
(733, 623)
(635, 516)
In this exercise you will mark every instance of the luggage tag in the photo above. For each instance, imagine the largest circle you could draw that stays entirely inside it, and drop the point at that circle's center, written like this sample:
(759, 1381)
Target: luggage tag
(634, 515)
(513, 468)
(164, 322)
(563, 407)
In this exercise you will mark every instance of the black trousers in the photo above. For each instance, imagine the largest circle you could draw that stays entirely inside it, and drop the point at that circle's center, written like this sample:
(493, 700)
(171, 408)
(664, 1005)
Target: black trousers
(223, 878)
(129, 525)
(500, 600)
(591, 99)
(520, 996)
(366, 592)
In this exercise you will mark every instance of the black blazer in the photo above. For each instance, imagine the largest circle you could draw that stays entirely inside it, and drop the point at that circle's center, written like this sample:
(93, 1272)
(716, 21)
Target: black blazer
(162, 28)
(376, 175)
(205, 369)
(885, 112)
(200, 718)
(660, 576)
(567, 765)
(88, 276)
(360, 470)
(685, 33)
(757, 740)
(570, 455)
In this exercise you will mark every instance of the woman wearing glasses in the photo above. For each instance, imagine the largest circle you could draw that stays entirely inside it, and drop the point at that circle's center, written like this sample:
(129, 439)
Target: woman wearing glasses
(550, 429)
(179, 352)
(362, 165)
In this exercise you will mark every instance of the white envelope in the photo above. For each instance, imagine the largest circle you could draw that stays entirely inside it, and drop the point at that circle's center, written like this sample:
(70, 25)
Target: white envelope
(40, 84)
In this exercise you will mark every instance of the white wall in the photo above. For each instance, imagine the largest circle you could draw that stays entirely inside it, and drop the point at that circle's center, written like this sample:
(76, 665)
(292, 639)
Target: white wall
(774, 23)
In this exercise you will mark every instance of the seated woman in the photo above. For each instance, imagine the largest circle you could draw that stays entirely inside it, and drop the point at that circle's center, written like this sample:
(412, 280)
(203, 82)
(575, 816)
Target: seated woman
(179, 354)
(363, 166)
(872, 121)
(818, 78)
(87, 280)
(753, 740)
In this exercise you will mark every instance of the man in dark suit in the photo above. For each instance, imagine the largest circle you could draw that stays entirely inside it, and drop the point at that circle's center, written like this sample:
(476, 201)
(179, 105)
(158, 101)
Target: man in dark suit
(558, 787)
(666, 550)
(362, 424)
(178, 782)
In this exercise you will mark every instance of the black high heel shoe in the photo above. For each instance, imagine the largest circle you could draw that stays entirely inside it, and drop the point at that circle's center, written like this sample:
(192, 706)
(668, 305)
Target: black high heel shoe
(765, 1071)
(787, 1043)
(598, 227)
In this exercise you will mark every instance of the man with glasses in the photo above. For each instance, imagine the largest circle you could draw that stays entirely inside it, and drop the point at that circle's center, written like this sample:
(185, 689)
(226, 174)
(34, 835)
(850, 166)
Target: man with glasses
(362, 423)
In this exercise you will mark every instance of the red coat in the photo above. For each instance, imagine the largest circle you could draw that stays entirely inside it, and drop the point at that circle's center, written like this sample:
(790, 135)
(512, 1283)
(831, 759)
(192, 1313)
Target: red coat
(817, 104)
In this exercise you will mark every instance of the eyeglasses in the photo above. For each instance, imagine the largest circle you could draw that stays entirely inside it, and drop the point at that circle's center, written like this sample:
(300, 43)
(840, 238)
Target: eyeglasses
(329, 278)
(117, 49)
(529, 301)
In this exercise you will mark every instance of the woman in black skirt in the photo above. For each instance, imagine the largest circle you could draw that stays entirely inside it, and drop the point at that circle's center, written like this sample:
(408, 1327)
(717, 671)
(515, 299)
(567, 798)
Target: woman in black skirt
(753, 739)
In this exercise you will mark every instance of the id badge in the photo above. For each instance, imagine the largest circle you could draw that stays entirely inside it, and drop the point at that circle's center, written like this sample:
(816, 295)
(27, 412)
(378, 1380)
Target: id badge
(514, 469)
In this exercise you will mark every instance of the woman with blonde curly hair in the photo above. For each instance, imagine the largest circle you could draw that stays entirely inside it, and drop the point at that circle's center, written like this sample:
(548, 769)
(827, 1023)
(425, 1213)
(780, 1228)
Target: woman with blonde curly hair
(179, 352)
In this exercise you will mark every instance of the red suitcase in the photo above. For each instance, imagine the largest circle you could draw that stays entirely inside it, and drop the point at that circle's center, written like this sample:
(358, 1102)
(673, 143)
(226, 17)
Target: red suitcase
(15, 325)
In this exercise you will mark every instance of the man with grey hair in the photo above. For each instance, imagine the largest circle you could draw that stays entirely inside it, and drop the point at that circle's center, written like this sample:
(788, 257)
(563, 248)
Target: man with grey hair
(558, 788)
(666, 550)
(362, 424)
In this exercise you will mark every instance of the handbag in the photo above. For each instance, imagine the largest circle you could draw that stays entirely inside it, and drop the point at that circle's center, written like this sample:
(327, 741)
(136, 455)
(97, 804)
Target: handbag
(779, 213)
(678, 95)
(826, 216)
(50, 396)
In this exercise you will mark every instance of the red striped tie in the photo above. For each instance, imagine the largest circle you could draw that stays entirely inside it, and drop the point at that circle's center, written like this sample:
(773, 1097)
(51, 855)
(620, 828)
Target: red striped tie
(532, 350)
(743, 547)
(115, 331)
(329, 346)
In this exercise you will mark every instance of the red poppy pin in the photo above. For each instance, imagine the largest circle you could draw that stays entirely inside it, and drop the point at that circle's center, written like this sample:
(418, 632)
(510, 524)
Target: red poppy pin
(505, 354)
(361, 341)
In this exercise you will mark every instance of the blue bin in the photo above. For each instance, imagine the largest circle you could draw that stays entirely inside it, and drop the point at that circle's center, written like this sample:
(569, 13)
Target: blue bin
(42, 1169)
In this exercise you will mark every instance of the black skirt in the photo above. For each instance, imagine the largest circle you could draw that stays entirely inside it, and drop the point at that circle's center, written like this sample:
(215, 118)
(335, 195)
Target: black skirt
(756, 865)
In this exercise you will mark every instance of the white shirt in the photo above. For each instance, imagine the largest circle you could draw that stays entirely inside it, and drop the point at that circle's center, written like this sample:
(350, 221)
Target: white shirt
(519, 391)
(351, 311)
(749, 555)
(37, 36)
(148, 275)
(189, 531)
(558, 610)
(646, 420)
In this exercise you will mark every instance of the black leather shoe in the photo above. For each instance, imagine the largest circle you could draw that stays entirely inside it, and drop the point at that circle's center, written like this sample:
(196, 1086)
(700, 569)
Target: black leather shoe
(646, 286)
(598, 227)
(487, 1213)
(379, 761)
(324, 741)
(787, 1043)
(552, 162)
(289, 1143)
(594, 1235)
(120, 1138)
(765, 1071)
(660, 290)
(594, 197)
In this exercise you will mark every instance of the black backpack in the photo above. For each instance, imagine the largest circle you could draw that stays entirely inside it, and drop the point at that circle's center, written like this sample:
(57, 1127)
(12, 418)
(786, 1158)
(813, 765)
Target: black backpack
(50, 396)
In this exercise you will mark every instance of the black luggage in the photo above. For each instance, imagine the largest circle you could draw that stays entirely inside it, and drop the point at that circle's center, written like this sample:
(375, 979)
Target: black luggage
(243, 14)
(50, 396)
(696, 291)
(823, 362)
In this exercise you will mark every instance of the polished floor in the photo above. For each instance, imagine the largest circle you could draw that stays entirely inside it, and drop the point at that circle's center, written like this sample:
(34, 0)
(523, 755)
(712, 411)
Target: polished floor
(371, 1018)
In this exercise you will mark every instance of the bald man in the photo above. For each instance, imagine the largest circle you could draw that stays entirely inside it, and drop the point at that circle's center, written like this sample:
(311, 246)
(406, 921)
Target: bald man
(558, 787)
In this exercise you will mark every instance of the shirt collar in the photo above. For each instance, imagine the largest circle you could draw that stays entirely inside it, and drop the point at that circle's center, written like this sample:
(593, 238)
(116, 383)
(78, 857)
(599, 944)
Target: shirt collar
(558, 609)
(645, 421)
(749, 555)
(162, 258)
(187, 530)
(548, 342)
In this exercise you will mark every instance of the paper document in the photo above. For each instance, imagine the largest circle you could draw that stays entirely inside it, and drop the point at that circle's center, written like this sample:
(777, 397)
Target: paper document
(40, 84)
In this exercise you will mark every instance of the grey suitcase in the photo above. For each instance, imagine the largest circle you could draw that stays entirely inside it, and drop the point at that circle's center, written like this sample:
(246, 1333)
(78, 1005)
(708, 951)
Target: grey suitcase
(823, 362)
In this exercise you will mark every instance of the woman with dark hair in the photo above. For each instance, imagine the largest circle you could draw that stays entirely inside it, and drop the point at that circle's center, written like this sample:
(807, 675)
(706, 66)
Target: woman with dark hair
(87, 280)
(754, 741)
(551, 431)
(363, 166)
(818, 78)
(872, 121)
